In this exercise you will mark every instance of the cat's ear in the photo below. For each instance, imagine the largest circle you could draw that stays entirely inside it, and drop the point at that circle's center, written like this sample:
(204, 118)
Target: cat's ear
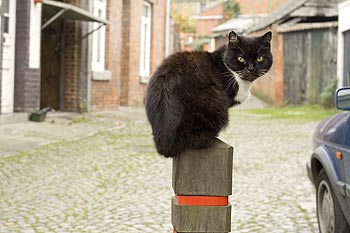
(266, 37)
(233, 37)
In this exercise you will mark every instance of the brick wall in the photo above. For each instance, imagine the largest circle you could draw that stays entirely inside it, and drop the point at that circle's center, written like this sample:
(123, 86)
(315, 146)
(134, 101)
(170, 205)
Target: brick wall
(122, 59)
(72, 32)
(27, 81)
(132, 91)
(105, 94)
(272, 89)
(158, 41)
(205, 26)
(125, 55)
(258, 7)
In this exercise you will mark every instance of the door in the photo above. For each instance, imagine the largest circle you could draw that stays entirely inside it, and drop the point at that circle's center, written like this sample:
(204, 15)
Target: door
(346, 78)
(8, 55)
(51, 49)
(346, 158)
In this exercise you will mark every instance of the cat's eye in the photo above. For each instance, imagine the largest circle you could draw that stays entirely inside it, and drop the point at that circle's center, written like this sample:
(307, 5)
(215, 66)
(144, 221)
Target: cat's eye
(240, 59)
(259, 59)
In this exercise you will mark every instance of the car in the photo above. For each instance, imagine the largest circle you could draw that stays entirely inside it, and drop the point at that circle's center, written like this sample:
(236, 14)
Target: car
(329, 168)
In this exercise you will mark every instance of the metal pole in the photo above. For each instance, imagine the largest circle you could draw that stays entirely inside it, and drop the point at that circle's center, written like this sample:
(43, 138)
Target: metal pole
(53, 18)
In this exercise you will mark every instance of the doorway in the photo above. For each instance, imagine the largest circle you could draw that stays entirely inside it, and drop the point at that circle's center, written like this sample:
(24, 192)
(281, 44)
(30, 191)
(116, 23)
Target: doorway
(51, 59)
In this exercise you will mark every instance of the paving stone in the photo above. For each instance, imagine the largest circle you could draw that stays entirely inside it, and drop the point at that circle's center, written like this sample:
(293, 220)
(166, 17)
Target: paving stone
(95, 176)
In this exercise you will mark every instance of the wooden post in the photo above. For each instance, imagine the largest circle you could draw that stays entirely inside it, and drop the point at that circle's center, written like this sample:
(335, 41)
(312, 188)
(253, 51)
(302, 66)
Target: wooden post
(202, 182)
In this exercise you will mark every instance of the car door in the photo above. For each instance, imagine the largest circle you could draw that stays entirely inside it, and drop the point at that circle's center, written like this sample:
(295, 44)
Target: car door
(346, 161)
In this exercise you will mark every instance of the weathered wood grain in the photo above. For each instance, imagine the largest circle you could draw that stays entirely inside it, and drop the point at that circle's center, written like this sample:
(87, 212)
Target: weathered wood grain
(204, 172)
(310, 64)
(200, 218)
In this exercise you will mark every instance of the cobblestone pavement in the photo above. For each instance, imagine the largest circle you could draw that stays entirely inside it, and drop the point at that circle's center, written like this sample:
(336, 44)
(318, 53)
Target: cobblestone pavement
(100, 173)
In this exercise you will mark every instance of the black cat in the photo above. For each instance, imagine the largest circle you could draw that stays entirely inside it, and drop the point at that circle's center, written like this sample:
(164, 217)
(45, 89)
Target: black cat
(189, 95)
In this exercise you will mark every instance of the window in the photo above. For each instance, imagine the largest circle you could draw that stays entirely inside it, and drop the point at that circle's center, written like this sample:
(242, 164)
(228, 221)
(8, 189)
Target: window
(203, 6)
(6, 15)
(145, 42)
(99, 37)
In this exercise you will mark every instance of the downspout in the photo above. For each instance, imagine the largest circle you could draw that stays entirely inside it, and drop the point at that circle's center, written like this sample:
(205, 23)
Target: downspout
(88, 60)
(167, 28)
(85, 61)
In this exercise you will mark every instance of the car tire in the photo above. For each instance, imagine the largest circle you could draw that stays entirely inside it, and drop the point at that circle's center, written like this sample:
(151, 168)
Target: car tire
(329, 215)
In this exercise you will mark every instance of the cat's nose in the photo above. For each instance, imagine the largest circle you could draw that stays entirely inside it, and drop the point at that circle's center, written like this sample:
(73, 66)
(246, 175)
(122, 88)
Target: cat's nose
(251, 68)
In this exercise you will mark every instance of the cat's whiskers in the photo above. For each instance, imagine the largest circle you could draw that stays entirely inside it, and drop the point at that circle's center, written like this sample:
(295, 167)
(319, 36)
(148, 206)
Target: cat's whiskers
(231, 83)
(228, 75)
(267, 77)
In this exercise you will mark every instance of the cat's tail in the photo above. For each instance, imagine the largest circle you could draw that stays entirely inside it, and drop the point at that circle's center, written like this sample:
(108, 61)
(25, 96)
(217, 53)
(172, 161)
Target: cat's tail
(165, 115)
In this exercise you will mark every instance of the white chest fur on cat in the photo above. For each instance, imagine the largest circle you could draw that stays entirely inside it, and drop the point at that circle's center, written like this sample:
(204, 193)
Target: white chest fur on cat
(244, 88)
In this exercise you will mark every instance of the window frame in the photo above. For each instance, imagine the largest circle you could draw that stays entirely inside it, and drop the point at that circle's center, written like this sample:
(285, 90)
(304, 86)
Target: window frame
(6, 17)
(99, 37)
(145, 42)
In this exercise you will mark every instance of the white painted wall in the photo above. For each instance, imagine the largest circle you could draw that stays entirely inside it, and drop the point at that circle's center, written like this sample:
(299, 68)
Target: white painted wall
(344, 25)
(99, 38)
(8, 62)
(35, 35)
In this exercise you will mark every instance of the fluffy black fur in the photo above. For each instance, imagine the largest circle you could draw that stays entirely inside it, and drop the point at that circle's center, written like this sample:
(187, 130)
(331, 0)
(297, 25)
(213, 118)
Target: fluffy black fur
(189, 95)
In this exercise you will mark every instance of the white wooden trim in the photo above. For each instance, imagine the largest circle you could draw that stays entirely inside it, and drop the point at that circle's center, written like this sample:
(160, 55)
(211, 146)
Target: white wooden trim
(99, 38)
(34, 35)
(344, 25)
(8, 63)
(145, 43)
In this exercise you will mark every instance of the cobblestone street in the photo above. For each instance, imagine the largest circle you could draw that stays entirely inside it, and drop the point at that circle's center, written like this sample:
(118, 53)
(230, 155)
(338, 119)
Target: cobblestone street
(100, 173)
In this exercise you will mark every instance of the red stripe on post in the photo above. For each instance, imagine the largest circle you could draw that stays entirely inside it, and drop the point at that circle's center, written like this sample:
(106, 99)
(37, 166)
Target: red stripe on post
(202, 200)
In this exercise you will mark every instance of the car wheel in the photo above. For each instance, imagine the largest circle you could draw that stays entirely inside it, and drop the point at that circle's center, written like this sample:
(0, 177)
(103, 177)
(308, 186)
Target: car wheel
(329, 215)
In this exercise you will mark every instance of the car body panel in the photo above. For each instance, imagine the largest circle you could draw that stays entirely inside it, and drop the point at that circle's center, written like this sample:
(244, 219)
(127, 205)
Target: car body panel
(334, 130)
(331, 136)
(325, 158)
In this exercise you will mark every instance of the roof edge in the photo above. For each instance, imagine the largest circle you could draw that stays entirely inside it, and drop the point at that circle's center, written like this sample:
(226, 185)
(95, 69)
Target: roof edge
(278, 14)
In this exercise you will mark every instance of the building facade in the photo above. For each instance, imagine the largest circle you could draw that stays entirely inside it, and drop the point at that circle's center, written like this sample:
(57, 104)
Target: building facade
(343, 67)
(143, 47)
(7, 58)
(304, 47)
(76, 55)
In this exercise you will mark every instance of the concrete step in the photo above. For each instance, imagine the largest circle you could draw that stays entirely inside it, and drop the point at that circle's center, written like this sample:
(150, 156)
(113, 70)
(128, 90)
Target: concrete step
(11, 118)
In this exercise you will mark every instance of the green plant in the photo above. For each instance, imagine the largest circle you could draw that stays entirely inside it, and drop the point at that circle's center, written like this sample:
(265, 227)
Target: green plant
(304, 113)
(183, 19)
(231, 9)
(327, 95)
(198, 44)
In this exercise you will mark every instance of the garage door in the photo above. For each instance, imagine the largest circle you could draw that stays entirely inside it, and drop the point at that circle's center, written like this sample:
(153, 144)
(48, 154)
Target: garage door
(346, 78)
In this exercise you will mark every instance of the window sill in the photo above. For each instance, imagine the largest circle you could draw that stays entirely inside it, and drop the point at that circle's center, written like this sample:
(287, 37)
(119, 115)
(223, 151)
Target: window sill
(144, 79)
(104, 75)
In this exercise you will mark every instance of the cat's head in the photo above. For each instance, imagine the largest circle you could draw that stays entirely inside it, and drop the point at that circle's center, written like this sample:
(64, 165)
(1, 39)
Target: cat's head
(248, 57)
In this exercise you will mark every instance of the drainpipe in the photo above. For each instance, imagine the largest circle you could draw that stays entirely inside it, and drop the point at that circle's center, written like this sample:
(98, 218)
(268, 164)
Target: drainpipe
(85, 64)
(88, 49)
(167, 28)
(88, 60)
